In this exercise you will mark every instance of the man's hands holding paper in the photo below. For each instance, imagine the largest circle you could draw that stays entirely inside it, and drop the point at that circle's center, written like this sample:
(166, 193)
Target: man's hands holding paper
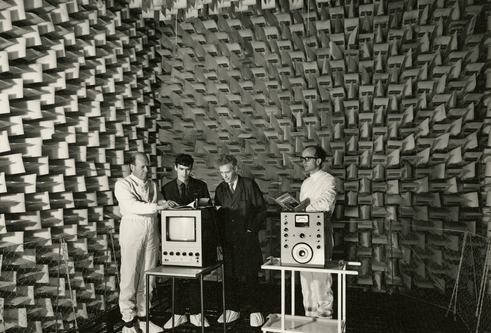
(166, 204)
(302, 206)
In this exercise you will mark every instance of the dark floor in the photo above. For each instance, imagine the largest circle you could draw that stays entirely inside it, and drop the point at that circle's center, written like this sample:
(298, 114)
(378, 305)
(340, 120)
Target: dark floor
(367, 312)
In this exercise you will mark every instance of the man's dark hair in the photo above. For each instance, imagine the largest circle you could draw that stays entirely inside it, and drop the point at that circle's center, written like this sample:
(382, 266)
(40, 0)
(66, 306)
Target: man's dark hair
(184, 160)
(226, 159)
(319, 152)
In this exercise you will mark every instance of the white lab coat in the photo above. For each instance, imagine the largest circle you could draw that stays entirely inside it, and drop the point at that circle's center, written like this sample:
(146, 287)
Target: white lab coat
(139, 241)
(320, 188)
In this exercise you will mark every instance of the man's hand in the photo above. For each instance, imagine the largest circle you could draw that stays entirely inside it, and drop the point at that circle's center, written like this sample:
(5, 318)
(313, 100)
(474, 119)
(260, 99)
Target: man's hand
(250, 239)
(303, 205)
(219, 253)
(162, 204)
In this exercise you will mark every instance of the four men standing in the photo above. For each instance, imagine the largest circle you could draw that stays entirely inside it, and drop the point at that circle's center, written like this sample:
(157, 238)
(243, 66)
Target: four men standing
(241, 212)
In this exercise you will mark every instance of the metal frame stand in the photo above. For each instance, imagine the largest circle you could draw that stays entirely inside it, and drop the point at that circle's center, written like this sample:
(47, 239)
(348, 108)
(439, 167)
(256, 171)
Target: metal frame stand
(185, 273)
(299, 324)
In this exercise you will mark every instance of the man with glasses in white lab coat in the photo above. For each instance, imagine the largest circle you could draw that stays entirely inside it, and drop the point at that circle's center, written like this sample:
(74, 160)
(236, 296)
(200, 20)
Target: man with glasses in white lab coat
(318, 193)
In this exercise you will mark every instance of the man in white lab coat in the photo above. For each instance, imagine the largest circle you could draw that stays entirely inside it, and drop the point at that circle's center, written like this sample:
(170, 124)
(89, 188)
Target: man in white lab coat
(140, 201)
(318, 193)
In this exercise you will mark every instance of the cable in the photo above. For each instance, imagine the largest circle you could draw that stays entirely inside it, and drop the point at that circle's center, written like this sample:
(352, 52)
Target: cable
(64, 256)
(457, 280)
(175, 43)
(481, 294)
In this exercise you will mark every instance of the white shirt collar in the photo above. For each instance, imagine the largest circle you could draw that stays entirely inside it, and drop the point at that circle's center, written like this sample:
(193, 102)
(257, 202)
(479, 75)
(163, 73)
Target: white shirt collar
(138, 180)
(234, 183)
(316, 174)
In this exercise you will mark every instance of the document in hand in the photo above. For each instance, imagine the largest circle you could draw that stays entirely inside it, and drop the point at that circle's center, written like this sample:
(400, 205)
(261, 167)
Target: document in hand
(198, 203)
(287, 202)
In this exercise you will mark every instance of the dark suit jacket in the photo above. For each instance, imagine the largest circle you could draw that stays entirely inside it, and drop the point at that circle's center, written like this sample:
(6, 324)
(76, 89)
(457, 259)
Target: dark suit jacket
(196, 189)
(242, 211)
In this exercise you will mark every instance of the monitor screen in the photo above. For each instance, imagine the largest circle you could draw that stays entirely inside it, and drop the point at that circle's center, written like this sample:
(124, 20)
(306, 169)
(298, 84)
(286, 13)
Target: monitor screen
(181, 228)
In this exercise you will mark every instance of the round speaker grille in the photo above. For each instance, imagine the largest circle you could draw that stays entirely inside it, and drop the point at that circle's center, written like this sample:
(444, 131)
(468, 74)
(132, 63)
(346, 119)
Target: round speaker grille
(302, 253)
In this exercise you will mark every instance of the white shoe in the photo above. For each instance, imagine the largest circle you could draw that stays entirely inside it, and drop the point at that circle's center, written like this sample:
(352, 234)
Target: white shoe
(196, 320)
(257, 319)
(230, 315)
(178, 320)
(324, 310)
(152, 328)
(321, 314)
(132, 329)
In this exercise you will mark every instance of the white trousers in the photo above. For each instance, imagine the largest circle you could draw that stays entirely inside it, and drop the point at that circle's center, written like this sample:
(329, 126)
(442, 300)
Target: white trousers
(317, 293)
(139, 241)
(316, 287)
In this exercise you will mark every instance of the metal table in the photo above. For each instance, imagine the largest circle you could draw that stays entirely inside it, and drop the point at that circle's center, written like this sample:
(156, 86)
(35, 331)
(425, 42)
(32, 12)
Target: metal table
(185, 273)
(300, 324)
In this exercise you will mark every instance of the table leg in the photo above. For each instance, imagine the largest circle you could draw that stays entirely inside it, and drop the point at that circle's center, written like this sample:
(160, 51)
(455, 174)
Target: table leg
(173, 300)
(293, 292)
(147, 300)
(202, 305)
(282, 300)
(223, 299)
(340, 296)
(344, 302)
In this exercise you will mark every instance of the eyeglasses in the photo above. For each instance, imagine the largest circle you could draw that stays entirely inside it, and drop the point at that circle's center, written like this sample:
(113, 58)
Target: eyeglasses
(307, 158)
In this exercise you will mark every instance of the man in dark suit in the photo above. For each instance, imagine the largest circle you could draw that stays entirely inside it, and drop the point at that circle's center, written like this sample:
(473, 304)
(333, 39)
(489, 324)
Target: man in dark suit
(180, 192)
(242, 213)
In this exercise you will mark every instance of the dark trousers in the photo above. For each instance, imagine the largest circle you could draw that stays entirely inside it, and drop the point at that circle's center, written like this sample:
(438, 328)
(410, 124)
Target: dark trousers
(192, 288)
(241, 292)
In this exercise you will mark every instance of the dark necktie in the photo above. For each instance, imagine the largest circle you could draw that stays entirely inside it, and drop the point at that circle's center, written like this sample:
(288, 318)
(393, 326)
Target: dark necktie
(231, 186)
(182, 190)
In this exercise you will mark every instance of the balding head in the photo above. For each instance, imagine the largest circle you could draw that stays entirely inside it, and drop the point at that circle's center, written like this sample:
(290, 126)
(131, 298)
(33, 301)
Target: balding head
(140, 166)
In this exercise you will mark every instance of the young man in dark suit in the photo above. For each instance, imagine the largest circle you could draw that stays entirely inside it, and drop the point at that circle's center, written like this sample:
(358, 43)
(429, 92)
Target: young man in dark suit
(180, 192)
(242, 213)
